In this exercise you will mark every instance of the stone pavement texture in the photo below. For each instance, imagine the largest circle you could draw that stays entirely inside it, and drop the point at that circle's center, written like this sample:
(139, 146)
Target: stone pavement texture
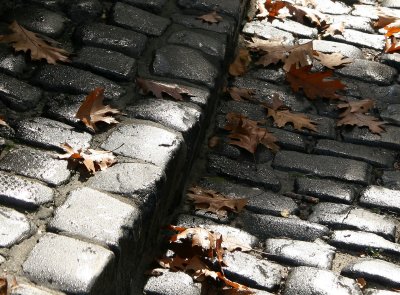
(324, 209)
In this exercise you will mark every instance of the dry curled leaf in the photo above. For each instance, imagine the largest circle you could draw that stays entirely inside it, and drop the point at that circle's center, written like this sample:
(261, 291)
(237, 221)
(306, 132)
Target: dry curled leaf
(91, 160)
(3, 286)
(211, 18)
(247, 134)
(40, 47)
(361, 282)
(214, 202)
(158, 88)
(3, 122)
(241, 94)
(267, 8)
(332, 60)
(392, 45)
(314, 84)
(299, 121)
(240, 64)
(333, 29)
(92, 110)
(300, 13)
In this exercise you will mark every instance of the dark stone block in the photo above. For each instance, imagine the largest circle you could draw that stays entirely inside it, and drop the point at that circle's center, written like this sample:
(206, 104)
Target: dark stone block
(266, 226)
(75, 81)
(323, 166)
(225, 26)
(268, 75)
(55, 5)
(375, 156)
(361, 39)
(391, 179)
(50, 134)
(230, 7)
(10, 63)
(17, 94)
(63, 107)
(152, 5)
(326, 190)
(289, 140)
(245, 171)
(84, 10)
(111, 64)
(250, 110)
(390, 113)
(391, 59)
(139, 20)
(207, 44)
(185, 63)
(341, 216)
(111, 38)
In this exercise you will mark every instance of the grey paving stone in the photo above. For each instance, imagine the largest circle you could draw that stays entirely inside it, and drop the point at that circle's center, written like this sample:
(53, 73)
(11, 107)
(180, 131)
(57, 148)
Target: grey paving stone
(289, 140)
(387, 139)
(84, 10)
(63, 107)
(230, 7)
(139, 20)
(381, 197)
(205, 43)
(58, 261)
(185, 63)
(299, 253)
(17, 94)
(112, 38)
(118, 179)
(326, 190)
(245, 171)
(358, 38)
(252, 111)
(391, 179)
(152, 5)
(50, 4)
(265, 30)
(36, 164)
(375, 156)
(95, 215)
(182, 117)
(331, 7)
(39, 20)
(27, 289)
(391, 3)
(305, 280)
(265, 91)
(359, 240)
(75, 81)
(323, 166)
(172, 283)
(11, 63)
(378, 292)
(374, 270)
(268, 75)
(358, 23)
(14, 227)
(111, 64)
(186, 220)
(340, 216)
(391, 114)
(251, 271)
(50, 134)
(19, 192)
(391, 59)
(266, 226)
(331, 47)
(232, 235)
(226, 26)
(146, 141)
(368, 71)
(372, 11)
(295, 28)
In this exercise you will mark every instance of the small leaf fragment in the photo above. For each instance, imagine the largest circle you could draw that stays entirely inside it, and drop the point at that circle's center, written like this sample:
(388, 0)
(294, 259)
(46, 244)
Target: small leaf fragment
(211, 18)
(240, 64)
(3, 122)
(332, 60)
(158, 88)
(241, 94)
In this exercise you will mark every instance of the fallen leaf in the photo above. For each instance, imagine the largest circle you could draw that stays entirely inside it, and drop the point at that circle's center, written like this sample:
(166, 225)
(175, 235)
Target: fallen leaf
(333, 29)
(92, 110)
(357, 106)
(390, 31)
(392, 45)
(267, 8)
(299, 13)
(158, 88)
(299, 121)
(241, 94)
(40, 47)
(332, 60)
(285, 213)
(211, 18)
(213, 141)
(2, 122)
(240, 64)
(3, 286)
(299, 55)
(384, 20)
(91, 160)
(361, 282)
(214, 202)
(314, 84)
(247, 134)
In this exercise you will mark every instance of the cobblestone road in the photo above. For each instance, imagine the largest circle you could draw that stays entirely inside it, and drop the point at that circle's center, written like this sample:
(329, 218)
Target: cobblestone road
(63, 235)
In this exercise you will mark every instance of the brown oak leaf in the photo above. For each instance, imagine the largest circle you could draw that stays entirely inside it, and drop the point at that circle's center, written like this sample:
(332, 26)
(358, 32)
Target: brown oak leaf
(3, 286)
(247, 134)
(314, 84)
(300, 13)
(240, 64)
(384, 20)
(211, 18)
(158, 88)
(2, 121)
(241, 94)
(392, 45)
(332, 60)
(91, 160)
(299, 55)
(40, 47)
(214, 202)
(333, 29)
(357, 106)
(92, 110)
(267, 8)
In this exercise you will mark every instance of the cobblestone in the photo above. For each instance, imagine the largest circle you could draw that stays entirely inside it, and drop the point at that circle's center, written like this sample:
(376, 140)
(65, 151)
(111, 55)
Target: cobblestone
(11, 64)
(171, 283)
(226, 26)
(388, 139)
(375, 196)
(391, 179)
(14, 227)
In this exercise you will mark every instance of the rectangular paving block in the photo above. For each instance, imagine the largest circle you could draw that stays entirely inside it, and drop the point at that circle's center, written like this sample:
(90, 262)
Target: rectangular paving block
(70, 265)
(323, 166)
(14, 227)
(381, 197)
(388, 139)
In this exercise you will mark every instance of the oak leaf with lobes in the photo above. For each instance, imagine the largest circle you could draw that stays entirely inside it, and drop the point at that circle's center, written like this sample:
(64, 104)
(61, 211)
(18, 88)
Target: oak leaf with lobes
(40, 47)
(92, 110)
(211, 18)
(158, 88)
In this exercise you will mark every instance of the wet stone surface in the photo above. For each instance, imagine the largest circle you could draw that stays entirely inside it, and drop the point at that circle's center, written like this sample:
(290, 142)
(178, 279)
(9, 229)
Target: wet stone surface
(391, 179)
(171, 283)
(374, 270)
(36, 164)
(375, 196)
(299, 253)
(226, 26)
(14, 227)
(231, 7)
(10, 63)
(153, 5)
(23, 193)
(388, 139)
